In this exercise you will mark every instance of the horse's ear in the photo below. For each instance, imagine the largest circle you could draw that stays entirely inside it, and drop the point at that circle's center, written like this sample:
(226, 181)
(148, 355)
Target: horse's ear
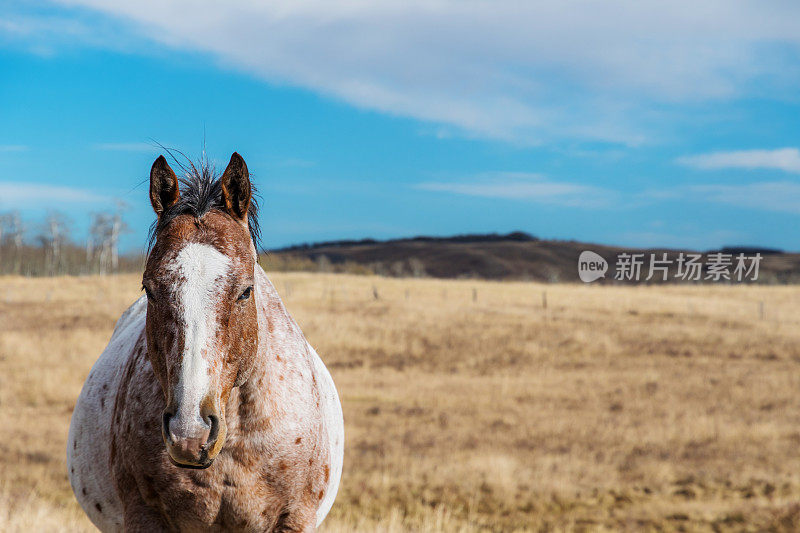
(164, 191)
(236, 191)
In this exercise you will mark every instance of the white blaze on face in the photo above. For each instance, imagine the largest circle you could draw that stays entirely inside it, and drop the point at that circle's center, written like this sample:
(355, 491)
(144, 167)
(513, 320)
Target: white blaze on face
(201, 270)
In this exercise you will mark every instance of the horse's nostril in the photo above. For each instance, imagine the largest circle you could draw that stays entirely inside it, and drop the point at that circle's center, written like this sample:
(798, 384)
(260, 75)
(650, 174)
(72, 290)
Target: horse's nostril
(165, 420)
(214, 423)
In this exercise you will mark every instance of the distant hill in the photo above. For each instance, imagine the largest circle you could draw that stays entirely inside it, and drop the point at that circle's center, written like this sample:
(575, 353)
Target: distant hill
(491, 256)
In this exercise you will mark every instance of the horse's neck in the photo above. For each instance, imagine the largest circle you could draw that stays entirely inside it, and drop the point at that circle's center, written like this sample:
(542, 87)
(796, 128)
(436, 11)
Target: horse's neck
(281, 350)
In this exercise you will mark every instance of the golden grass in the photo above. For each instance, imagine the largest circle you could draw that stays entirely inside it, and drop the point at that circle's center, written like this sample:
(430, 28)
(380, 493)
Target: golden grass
(615, 408)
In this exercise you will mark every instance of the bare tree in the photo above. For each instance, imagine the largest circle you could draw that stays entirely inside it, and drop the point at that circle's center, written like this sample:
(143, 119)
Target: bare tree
(398, 269)
(11, 236)
(5, 222)
(417, 267)
(323, 264)
(56, 235)
(117, 228)
(51, 251)
(16, 229)
(100, 236)
(102, 246)
(89, 248)
(5, 219)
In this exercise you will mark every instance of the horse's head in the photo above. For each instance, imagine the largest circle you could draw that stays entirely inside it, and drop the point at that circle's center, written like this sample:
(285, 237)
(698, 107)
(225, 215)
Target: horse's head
(202, 332)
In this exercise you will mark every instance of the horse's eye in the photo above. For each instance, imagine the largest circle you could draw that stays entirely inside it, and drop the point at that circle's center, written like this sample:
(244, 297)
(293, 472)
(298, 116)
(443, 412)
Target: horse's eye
(246, 294)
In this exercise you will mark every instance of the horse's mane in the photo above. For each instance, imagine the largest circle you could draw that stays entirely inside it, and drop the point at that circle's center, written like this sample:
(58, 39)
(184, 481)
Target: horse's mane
(201, 191)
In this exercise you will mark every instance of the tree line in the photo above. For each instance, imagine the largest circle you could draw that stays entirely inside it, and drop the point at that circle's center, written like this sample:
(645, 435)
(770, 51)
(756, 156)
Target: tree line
(48, 248)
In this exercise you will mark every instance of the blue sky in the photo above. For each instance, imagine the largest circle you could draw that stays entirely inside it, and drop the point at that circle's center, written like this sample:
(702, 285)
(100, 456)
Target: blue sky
(630, 123)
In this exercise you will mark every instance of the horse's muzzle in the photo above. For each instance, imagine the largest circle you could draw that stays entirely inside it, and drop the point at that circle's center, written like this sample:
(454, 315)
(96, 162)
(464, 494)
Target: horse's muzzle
(191, 443)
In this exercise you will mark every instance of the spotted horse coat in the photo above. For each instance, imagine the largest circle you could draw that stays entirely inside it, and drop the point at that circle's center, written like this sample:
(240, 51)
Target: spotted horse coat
(207, 411)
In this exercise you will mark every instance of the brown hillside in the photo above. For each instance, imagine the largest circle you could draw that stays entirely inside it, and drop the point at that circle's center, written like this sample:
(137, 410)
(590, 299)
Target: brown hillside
(513, 256)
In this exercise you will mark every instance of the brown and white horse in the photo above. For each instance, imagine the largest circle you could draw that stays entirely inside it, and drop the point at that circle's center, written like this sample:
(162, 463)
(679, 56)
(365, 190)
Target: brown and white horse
(208, 410)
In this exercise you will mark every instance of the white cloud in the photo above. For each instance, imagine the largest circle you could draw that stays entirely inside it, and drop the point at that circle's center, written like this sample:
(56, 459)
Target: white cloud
(786, 159)
(780, 196)
(16, 194)
(774, 196)
(508, 69)
(13, 148)
(526, 187)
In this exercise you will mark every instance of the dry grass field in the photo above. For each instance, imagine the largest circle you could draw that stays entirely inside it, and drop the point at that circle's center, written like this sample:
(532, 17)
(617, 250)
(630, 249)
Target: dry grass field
(613, 408)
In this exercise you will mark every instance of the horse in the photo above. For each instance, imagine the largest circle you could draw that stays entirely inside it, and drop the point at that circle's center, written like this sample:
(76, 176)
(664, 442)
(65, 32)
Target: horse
(208, 410)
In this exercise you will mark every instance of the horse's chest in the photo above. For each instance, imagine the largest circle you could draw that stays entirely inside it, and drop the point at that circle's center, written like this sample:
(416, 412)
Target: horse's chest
(235, 493)
(226, 503)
